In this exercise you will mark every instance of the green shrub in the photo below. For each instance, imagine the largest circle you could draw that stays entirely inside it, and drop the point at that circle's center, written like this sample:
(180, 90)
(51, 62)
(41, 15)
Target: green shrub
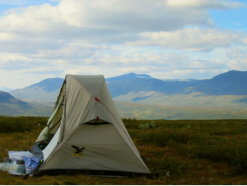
(141, 126)
(146, 125)
(153, 124)
(20, 124)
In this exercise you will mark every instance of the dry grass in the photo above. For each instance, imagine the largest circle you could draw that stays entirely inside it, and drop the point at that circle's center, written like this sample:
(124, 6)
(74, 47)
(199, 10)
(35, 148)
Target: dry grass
(180, 154)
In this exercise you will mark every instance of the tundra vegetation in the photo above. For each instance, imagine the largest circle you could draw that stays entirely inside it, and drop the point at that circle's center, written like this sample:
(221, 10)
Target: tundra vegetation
(175, 151)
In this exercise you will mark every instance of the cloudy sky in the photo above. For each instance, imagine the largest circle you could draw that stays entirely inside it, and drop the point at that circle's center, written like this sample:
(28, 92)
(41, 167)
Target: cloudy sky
(165, 39)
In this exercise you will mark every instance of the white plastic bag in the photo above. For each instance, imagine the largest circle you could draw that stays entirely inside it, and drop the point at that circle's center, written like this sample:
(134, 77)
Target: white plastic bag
(18, 155)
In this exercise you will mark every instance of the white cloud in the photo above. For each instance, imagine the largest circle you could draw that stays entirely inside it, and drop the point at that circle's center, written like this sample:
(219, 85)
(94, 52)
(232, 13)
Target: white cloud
(189, 39)
(237, 58)
(134, 69)
(74, 50)
(47, 30)
(73, 71)
(214, 4)
(238, 64)
(86, 70)
(36, 70)
(8, 57)
(244, 40)
(89, 37)
(100, 18)
(4, 36)
(18, 77)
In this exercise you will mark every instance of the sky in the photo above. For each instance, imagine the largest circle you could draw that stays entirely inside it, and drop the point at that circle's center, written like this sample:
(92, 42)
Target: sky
(166, 39)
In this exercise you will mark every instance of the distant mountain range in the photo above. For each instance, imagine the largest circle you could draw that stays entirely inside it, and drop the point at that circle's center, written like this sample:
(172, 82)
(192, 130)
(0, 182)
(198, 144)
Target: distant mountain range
(10, 105)
(229, 83)
(224, 91)
(45, 90)
(128, 77)
(186, 80)
(7, 98)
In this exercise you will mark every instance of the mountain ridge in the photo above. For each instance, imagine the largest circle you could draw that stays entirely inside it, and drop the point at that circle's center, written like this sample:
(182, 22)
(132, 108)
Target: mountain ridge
(224, 91)
(46, 89)
(228, 83)
(10, 105)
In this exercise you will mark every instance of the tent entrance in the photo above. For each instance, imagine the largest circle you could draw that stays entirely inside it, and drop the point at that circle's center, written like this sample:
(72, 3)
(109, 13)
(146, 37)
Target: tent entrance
(96, 122)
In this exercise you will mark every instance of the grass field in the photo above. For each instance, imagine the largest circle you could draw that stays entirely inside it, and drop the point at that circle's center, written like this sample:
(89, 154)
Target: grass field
(141, 111)
(214, 109)
(176, 152)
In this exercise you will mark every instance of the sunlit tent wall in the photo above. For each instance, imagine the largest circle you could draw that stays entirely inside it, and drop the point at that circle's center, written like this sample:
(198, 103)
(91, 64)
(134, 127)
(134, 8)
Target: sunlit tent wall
(88, 132)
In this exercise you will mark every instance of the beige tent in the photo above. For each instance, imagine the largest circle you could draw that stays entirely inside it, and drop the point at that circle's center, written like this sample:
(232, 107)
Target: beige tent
(88, 133)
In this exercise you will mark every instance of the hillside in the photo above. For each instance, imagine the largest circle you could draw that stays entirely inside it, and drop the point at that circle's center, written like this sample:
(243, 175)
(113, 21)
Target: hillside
(45, 90)
(229, 83)
(127, 77)
(122, 87)
(12, 106)
(7, 98)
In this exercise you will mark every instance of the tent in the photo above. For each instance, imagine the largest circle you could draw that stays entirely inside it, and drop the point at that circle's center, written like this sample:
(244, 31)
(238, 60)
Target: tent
(87, 132)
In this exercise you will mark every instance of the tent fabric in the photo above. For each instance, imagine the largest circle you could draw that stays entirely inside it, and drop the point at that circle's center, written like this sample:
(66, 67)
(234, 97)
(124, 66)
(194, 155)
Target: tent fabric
(106, 146)
(57, 120)
(37, 152)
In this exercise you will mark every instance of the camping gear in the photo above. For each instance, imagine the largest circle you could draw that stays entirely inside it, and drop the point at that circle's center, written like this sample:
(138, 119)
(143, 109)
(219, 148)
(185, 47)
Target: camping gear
(37, 152)
(31, 164)
(5, 166)
(19, 154)
(45, 134)
(20, 170)
(18, 167)
(20, 162)
(15, 164)
(88, 133)
(11, 167)
(7, 160)
(42, 145)
(15, 168)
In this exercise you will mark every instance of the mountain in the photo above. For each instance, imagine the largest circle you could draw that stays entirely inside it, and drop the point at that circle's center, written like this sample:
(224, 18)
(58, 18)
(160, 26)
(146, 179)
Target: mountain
(5, 89)
(122, 87)
(12, 106)
(47, 89)
(7, 98)
(186, 80)
(229, 83)
(224, 91)
(127, 77)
